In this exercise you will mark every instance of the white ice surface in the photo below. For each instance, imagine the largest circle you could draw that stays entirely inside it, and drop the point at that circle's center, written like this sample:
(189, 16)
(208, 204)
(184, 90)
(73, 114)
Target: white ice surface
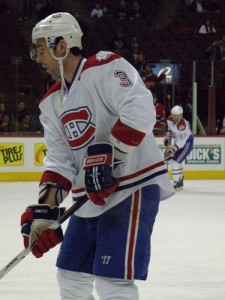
(188, 247)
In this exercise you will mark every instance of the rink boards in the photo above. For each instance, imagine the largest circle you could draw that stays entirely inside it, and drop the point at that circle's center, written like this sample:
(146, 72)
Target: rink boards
(21, 158)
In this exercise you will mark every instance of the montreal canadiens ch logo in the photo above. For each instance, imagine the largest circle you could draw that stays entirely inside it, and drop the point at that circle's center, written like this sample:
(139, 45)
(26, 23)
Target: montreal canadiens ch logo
(78, 127)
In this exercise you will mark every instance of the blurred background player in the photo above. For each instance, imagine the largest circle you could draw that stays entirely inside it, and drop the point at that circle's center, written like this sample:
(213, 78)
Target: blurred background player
(179, 143)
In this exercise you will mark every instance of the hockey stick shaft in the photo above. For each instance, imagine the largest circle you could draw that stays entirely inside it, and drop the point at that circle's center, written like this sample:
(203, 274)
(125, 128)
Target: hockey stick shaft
(54, 226)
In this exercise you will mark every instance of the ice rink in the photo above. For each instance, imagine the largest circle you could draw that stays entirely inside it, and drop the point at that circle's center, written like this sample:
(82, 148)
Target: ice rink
(188, 247)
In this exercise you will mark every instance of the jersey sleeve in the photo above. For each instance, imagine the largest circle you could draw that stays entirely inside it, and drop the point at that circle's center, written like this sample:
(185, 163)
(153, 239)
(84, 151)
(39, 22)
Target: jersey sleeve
(58, 163)
(124, 92)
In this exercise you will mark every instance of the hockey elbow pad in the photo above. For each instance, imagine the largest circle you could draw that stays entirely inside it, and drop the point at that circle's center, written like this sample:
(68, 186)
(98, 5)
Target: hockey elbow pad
(51, 179)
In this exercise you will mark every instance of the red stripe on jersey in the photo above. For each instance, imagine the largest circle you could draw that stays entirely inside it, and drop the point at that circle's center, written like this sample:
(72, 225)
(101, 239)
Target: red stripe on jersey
(76, 115)
(132, 235)
(127, 134)
(50, 176)
(131, 176)
(94, 62)
(55, 87)
(84, 139)
(152, 167)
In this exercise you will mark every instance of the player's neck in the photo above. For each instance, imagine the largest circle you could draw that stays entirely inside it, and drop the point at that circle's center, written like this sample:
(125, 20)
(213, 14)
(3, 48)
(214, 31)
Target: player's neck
(70, 66)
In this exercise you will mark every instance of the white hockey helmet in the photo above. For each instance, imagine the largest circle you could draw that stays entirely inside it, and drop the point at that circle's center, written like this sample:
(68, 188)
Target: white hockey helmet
(60, 24)
(176, 113)
(177, 110)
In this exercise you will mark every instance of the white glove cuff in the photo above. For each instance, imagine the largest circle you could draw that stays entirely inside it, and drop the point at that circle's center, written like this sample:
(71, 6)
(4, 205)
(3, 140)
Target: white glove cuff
(121, 149)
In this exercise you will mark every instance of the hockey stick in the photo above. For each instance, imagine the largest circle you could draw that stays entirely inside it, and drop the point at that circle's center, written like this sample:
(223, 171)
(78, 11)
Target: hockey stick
(53, 226)
(166, 161)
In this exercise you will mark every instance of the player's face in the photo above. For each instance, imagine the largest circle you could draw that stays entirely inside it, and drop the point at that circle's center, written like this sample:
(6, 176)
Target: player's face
(175, 118)
(45, 58)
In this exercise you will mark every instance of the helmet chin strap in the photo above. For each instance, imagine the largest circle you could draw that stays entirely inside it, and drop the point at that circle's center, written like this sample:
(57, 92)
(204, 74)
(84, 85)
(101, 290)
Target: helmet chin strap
(61, 70)
(63, 84)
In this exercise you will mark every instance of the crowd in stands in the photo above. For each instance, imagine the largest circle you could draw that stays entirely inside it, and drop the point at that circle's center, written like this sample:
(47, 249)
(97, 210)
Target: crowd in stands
(41, 8)
(125, 45)
(124, 10)
(19, 120)
(202, 6)
(216, 51)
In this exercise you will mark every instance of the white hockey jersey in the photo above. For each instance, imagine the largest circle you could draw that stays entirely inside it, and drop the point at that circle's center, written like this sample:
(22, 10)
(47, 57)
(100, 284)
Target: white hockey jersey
(105, 88)
(180, 131)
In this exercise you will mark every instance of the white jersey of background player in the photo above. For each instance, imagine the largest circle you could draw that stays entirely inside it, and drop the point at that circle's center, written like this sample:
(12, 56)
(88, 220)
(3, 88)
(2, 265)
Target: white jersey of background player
(98, 123)
(180, 135)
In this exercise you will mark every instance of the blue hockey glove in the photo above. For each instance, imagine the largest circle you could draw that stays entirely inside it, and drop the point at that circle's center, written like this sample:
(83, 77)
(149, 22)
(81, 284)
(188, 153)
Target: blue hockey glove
(35, 222)
(98, 166)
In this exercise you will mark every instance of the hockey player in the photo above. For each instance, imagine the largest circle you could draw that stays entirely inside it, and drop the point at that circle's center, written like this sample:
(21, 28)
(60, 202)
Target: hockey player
(178, 142)
(98, 120)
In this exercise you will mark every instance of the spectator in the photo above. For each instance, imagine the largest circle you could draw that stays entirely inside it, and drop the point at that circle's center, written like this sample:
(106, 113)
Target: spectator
(134, 60)
(198, 6)
(4, 110)
(134, 44)
(24, 10)
(106, 12)
(6, 124)
(123, 11)
(162, 81)
(141, 62)
(149, 78)
(160, 125)
(217, 50)
(26, 123)
(119, 43)
(207, 28)
(21, 110)
(136, 11)
(97, 11)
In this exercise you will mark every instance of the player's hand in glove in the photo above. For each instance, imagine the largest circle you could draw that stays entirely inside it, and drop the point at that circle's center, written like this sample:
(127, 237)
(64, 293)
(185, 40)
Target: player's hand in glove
(98, 166)
(169, 153)
(35, 222)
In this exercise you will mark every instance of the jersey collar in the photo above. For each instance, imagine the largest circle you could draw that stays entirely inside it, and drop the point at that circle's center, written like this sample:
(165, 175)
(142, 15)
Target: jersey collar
(68, 85)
